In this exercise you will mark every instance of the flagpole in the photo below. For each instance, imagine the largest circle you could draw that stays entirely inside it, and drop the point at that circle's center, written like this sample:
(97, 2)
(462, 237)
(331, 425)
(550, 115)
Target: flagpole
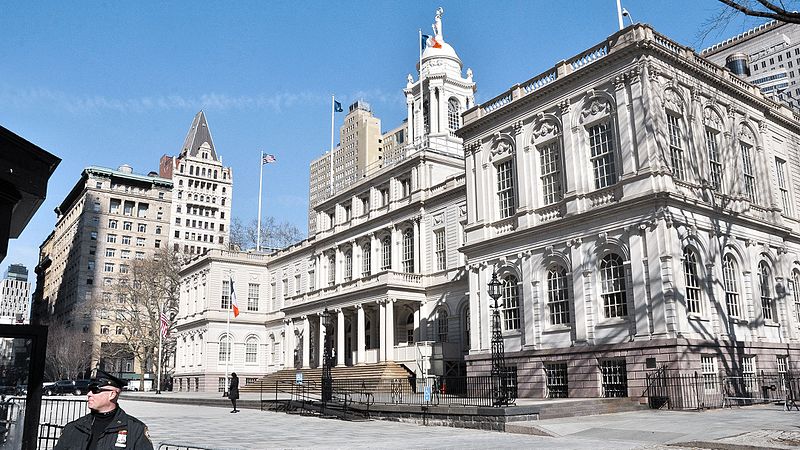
(421, 128)
(228, 335)
(160, 349)
(260, 184)
(333, 103)
(619, 14)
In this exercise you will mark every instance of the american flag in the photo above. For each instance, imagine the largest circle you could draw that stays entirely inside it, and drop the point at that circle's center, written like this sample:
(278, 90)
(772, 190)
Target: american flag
(267, 158)
(164, 325)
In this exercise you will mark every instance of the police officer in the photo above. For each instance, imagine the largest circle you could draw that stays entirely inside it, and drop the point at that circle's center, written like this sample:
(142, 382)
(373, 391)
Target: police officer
(107, 426)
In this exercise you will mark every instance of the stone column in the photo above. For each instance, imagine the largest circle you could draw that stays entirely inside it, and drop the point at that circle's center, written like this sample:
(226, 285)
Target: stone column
(410, 108)
(306, 347)
(361, 332)
(382, 334)
(396, 249)
(323, 332)
(339, 337)
(640, 311)
(338, 262)
(417, 247)
(390, 330)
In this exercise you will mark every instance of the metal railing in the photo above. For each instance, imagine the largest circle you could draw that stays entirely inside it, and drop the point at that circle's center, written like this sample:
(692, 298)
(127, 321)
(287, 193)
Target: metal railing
(54, 414)
(676, 390)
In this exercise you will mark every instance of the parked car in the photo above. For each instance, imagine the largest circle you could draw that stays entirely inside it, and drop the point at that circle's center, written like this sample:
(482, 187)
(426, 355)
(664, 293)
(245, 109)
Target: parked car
(76, 387)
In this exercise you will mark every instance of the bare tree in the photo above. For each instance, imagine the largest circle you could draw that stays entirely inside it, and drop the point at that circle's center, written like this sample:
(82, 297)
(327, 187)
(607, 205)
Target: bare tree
(776, 10)
(149, 288)
(274, 234)
(68, 352)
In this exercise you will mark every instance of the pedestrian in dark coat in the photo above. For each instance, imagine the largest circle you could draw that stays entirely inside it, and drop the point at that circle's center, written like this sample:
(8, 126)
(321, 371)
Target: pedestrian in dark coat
(233, 391)
(107, 426)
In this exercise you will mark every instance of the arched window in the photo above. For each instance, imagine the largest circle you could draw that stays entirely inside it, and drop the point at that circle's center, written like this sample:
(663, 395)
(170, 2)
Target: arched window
(765, 284)
(730, 279)
(408, 251)
(712, 129)
(442, 325)
(510, 303)
(224, 348)
(348, 264)
(453, 114)
(386, 253)
(366, 260)
(426, 117)
(692, 279)
(558, 296)
(251, 350)
(612, 280)
(746, 142)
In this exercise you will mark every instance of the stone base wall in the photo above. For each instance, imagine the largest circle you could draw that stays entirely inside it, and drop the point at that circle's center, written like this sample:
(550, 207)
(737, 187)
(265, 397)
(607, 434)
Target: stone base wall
(641, 357)
(205, 382)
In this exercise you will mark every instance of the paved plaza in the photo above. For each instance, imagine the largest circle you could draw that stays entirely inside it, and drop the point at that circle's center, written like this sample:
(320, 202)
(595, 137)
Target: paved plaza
(215, 427)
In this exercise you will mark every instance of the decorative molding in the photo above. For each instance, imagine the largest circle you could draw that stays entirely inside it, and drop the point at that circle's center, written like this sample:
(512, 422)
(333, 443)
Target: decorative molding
(564, 106)
(596, 108)
(672, 100)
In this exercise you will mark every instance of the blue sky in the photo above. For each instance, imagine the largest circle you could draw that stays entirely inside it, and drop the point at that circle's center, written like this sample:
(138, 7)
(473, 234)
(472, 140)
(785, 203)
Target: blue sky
(107, 83)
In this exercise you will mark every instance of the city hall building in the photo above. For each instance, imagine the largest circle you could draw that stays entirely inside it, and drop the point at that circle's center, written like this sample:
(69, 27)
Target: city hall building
(636, 202)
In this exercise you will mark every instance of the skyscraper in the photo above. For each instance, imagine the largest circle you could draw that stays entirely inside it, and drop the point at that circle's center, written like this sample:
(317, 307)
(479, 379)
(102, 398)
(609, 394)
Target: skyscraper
(15, 295)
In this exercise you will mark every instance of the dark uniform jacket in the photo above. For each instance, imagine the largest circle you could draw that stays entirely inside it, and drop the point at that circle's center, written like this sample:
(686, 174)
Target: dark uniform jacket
(124, 432)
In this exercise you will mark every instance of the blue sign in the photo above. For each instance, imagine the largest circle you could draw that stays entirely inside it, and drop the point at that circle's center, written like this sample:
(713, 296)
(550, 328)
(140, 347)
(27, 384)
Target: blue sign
(427, 394)
(298, 378)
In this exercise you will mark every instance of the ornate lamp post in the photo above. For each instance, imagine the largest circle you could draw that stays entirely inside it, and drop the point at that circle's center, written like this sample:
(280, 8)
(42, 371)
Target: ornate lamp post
(500, 391)
(327, 378)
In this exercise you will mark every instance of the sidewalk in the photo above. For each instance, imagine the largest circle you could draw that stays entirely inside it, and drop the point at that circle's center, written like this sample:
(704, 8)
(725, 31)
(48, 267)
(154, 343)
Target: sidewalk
(766, 426)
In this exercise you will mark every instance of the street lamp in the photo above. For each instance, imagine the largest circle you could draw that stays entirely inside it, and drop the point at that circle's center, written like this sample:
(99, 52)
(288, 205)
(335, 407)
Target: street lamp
(498, 374)
(327, 378)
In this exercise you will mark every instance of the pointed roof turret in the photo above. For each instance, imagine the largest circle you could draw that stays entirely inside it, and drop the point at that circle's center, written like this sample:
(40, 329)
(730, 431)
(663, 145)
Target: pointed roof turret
(199, 136)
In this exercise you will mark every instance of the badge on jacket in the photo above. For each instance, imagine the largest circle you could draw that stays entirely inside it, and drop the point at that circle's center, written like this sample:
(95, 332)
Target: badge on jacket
(122, 439)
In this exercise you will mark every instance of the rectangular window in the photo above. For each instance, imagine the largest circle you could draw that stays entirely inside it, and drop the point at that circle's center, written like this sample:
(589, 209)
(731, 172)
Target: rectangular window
(405, 186)
(348, 265)
(111, 238)
(602, 155)
(331, 269)
(441, 254)
(675, 146)
(225, 303)
(112, 223)
(141, 228)
(251, 352)
(348, 212)
(384, 194)
(708, 365)
(557, 386)
(615, 378)
(550, 158)
(108, 267)
(505, 189)
(114, 206)
(140, 242)
(127, 226)
(126, 240)
(747, 169)
(297, 284)
(252, 296)
(312, 279)
(780, 168)
(749, 381)
(714, 160)
(220, 385)
(110, 252)
(273, 288)
(128, 208)
(366, 260)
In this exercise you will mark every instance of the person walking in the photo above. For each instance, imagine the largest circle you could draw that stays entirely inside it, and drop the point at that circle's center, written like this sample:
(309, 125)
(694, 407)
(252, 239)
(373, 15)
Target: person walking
(233, 391)
(107, 426)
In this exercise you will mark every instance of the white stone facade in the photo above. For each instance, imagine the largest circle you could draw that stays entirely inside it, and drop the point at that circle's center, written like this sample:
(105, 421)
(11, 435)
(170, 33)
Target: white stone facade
(636, 202)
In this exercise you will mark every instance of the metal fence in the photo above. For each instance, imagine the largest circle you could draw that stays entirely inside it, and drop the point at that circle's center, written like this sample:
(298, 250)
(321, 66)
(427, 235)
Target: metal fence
(676, 390)
(54, 414)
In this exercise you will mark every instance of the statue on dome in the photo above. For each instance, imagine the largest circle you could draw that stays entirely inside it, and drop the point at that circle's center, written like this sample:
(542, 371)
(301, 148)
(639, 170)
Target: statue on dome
(410, 80)
(437, 26)
(469, 74)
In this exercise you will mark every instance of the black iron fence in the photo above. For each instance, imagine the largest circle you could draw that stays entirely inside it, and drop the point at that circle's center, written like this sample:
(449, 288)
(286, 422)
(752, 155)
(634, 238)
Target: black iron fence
(681, 390)
(53, 415)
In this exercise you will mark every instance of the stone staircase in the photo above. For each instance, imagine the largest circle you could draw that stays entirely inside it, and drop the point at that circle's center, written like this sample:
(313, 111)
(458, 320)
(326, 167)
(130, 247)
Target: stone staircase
(368, 374)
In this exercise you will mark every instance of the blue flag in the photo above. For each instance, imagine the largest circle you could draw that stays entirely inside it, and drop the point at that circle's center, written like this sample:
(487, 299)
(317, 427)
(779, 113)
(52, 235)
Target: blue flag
(337, 107)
